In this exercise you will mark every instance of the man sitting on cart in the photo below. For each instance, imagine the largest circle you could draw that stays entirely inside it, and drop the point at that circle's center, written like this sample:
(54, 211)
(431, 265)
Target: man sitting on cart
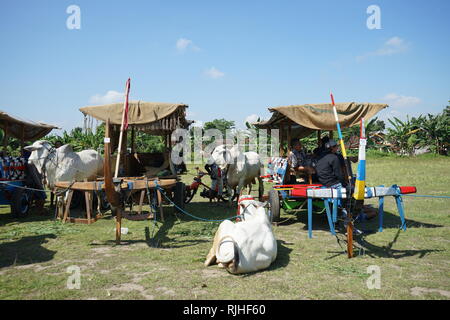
(297, 160)
(329, 167)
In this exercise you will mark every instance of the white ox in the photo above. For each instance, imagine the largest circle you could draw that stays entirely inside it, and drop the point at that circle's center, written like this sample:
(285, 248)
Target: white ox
(245, 246)
(243, 168)
(63, 164)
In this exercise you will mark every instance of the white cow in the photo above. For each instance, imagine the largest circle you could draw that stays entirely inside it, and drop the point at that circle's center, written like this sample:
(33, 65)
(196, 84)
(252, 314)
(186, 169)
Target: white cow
(63, 164)
(243, 167)
(245, 246)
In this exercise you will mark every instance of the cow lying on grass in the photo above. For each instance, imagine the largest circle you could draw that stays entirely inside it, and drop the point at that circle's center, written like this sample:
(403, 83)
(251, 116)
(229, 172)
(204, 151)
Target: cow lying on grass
(245, 246)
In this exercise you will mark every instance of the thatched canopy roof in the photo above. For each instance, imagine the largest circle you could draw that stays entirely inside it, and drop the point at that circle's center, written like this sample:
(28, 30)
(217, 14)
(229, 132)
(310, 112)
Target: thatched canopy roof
(151, 117)
(306, 118)
(24, 129)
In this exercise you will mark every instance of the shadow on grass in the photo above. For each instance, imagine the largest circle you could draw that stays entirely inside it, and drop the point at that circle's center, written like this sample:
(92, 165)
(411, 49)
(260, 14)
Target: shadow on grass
(390, 221)
(34, 216)
(364, 247)
(27, 250)
(160, 239)
(207, 210)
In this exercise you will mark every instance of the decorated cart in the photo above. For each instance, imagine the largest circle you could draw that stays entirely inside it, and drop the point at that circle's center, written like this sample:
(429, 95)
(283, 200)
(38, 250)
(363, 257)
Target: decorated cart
(20, 183)
(299, 121)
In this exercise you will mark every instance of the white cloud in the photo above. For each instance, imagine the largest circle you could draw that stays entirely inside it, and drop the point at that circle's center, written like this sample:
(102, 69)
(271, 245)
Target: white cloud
(392, 46)
(396, 100)
(214, 73)
(110, 97)
(184, 44)
(252, 118)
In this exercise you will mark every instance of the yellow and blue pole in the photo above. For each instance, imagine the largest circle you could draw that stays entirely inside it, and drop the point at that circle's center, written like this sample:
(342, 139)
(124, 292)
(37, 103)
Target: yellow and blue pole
(344, 154)
(360, 184)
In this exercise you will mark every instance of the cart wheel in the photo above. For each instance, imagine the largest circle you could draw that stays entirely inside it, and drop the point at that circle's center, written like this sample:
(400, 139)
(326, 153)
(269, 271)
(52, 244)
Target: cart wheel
(274, 201)
(226, 194)
(20, 203)
(189, 195)
(179, 195)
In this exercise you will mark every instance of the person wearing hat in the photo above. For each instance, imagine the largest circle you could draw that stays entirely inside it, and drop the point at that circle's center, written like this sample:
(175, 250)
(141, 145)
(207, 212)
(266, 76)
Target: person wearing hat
(328, 168)
(297, 161)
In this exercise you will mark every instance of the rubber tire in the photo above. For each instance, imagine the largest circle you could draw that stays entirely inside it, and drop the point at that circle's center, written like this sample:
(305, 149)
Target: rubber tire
(179, 195)
(274, 202)
(21, 203)
(189, 195)
(225, 197)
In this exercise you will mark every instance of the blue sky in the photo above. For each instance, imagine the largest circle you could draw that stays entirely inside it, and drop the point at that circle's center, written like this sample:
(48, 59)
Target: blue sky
(226, 59)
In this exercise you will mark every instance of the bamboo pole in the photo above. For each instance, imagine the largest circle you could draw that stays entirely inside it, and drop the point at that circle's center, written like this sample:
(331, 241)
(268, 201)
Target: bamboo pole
(344, 154)
(122, 127)
(111, 193)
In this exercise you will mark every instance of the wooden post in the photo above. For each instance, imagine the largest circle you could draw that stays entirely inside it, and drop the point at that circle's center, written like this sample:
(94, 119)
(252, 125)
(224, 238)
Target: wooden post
(141, 201)
(118, 225)
(5, 139)
(111, 193)
(133, 133)
(319, 133)
(122, 128)
(22, 141)
(281, 140)
(161, 211)
(289, 136)
(88, 205)
(67, 206)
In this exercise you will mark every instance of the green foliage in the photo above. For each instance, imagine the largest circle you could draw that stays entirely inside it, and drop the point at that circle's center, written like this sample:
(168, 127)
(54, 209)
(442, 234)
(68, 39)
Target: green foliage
(147, 143)
(80, 140)
(220, 124)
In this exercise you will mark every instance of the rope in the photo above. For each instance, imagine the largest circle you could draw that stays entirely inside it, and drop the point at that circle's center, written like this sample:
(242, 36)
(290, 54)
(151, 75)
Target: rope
(20, 187)
(152, 208)
(187, 213)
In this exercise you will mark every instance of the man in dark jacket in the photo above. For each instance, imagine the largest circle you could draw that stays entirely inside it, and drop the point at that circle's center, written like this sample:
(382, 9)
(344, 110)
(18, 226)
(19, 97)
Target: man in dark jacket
(297, 160)
(328, 168)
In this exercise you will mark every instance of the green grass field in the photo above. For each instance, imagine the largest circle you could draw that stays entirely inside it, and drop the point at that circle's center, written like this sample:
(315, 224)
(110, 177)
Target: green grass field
(166, 261)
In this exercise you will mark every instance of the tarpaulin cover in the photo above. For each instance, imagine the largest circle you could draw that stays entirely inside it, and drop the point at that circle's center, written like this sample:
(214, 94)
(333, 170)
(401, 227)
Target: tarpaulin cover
(153, 117)
(24, 129)
(320, 116)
